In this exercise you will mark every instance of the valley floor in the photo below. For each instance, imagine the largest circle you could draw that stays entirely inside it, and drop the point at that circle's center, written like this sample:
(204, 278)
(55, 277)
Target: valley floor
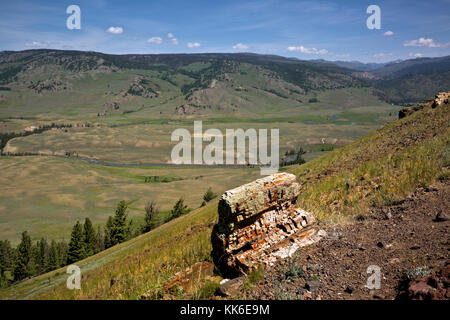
(402, 238)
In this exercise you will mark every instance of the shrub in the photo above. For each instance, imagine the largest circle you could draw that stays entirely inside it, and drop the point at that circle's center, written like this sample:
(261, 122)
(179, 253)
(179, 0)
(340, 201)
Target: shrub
(209, 195)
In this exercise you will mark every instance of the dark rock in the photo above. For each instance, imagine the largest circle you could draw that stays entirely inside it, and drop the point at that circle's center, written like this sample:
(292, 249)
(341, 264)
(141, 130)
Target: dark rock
(441, 216)
(312, 285)
(114, 281)
(349, 289)
(405, 112)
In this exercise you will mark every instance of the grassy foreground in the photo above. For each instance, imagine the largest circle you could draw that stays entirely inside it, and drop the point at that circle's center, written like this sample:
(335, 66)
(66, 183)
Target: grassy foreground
(378, 169)
(138, 265)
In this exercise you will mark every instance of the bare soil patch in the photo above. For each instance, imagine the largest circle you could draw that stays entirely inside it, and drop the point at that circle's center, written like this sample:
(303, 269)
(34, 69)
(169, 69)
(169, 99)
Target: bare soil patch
(403, 239)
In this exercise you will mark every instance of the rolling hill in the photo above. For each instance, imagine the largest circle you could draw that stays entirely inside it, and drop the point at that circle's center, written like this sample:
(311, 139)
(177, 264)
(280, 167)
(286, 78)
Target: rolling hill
(185, 84)
(121, 109)
(344, 186)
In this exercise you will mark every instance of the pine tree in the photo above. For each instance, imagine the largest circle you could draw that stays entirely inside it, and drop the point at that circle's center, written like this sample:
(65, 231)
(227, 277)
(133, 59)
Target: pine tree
(7, 257)
(178, 209)
(120, 228)
(53, 259)
(108, 232)
(129, 230)
(89, 237)
(299, 159)
(209, 195)
(42, 256)
(23, 262)
(151, 210)
(76, 244)
(99, 241)
(63, 250)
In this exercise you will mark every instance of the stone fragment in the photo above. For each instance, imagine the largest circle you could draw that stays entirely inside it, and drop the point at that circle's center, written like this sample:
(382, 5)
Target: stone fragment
(312, 285)
(433, 287)
(260, 223)
(349, 289)
(231, 288)
(441, 216)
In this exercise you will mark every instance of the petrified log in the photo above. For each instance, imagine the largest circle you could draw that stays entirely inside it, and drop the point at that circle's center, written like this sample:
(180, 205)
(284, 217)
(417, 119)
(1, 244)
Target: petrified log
(259, 222)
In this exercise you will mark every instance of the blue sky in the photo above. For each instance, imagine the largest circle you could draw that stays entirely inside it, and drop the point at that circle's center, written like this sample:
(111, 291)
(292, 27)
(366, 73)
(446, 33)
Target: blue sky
(331, 30)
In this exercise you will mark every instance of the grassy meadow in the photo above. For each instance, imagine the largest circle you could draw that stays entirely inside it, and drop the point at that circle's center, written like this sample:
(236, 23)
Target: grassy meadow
(47, 195)
(378, 169)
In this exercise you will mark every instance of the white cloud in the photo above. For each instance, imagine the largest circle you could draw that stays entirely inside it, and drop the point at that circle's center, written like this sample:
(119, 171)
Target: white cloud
(422, 42)
(174, 40)
(303, 49)
(415, 55)
(240, 46)
(193, 44)
(115, 30)
(38, 44)
(343, 55)
(382, 55)
(170, 35)
(389, 33)
(156, 40)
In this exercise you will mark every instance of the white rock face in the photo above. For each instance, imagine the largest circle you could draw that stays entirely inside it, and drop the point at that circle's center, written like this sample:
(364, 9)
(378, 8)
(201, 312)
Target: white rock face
(259, 223)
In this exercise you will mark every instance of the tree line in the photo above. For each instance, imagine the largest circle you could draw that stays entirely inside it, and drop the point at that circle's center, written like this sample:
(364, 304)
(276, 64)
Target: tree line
(29, 259)
(5, 137)
(293, 157)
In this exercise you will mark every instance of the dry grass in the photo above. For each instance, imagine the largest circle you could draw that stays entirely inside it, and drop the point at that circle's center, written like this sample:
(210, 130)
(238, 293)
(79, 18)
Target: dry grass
(46, 195)
(377, 169)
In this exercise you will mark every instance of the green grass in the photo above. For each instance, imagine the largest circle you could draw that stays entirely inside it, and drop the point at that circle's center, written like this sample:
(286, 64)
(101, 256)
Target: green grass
(141, 264)
(377, 169)
(47, 195)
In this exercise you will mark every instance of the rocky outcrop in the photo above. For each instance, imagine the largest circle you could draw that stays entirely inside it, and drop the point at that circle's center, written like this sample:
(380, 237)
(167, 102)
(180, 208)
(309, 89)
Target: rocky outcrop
(49, 85)
(439, 99)
(185, 109)
(433, 287)
(142, 87)
(260, 223)
(109, 107)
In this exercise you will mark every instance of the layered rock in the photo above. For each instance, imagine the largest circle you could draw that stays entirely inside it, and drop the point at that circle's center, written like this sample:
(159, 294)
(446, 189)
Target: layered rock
(258, 223)
(439, 99)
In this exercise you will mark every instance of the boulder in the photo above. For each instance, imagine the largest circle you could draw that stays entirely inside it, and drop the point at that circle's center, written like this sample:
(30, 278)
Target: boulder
(433, 287)
(260, 223)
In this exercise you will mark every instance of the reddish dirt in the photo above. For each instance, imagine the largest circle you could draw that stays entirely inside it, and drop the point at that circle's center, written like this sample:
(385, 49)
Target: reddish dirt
(398, 238)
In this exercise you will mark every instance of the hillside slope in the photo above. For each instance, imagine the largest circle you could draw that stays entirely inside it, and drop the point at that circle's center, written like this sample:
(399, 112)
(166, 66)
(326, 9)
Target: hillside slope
(38, 82)
(346, 184)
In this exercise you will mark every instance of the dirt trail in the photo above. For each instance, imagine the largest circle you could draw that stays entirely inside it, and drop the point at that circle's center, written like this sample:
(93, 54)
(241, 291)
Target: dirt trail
(397, 238)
